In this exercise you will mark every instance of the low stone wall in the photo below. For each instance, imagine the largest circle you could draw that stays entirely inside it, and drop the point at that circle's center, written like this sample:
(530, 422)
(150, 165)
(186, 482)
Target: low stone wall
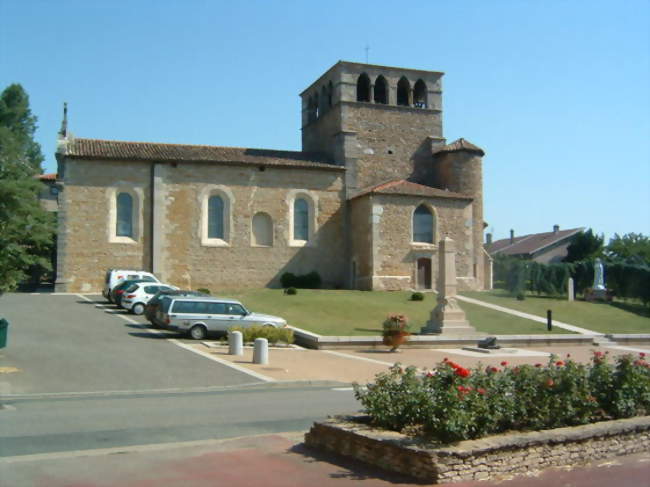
(487, 458)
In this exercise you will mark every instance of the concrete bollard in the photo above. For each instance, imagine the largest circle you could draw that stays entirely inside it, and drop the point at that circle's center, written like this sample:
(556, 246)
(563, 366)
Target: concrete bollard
(261, 351)
(235, 343)
(571, 289)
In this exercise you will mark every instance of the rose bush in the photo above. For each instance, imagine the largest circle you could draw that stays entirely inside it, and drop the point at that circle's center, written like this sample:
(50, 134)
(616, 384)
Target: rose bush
(452, 403)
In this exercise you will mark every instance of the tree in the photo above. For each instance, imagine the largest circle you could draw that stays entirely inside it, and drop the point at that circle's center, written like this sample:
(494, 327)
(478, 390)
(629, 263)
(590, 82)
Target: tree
(633, 248)
(585, 245)
(26, 230)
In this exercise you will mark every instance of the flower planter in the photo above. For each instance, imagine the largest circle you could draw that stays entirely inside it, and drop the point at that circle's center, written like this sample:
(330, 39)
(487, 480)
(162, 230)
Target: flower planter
(487, 458)
(394, 339)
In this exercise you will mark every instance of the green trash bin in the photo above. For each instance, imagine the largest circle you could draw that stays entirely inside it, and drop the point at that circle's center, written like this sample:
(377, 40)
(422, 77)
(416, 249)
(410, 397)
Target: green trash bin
(4, 326)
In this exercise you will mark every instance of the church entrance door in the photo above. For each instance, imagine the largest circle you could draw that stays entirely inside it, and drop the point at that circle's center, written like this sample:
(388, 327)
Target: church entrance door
(424, 273)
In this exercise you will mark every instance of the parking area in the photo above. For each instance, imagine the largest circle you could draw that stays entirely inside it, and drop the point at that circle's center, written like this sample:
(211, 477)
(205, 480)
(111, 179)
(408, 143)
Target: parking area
(79, 343)
(75, 343)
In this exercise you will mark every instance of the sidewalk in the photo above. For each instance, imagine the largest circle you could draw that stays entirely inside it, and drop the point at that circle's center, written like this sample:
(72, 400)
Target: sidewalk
(269, 461)
(363, 364)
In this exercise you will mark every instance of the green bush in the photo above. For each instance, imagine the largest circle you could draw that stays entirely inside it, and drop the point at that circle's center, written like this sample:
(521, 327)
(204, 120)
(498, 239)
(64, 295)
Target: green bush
(417, 297)
(452, 403)
(291, 291)
(204, 290)
(272, 334)
(305, 281)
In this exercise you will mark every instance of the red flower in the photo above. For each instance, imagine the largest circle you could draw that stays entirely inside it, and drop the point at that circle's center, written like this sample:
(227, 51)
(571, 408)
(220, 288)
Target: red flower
(429, 374)
(538, 365)
(462, 372)
(504, 363)
(493, 369)
(642, 355)
(481, 391)
(461, 389)
(559, 363)
(568, 355)
(549, 382)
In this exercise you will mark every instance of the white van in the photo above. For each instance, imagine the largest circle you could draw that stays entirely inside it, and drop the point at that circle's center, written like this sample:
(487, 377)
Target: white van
(115, 276)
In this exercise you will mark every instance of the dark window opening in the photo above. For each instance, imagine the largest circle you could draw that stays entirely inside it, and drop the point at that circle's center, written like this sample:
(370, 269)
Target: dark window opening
(363, 88)
(323, 101)
(381, 90)
(330, 92)
(420, 94)
(423, 225)
(403, 91)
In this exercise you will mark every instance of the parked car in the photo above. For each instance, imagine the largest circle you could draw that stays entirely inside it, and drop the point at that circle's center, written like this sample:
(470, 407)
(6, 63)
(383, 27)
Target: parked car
(118, 291)
(135, 297)
(116, 276)
(199, 316)
(151, 308)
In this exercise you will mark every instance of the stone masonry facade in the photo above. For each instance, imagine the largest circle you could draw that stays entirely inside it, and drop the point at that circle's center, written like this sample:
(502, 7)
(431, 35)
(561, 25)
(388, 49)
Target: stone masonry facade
(373, 153)
(488, 458)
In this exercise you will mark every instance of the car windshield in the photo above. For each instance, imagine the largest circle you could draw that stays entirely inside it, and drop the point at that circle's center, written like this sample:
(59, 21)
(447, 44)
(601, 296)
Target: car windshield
(131, 288)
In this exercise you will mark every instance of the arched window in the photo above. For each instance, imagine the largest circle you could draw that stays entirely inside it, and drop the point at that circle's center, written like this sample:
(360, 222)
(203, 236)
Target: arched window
(403, 92)
(311, 111)
(363, 88)
(262, 230)
(124, 220)
(300, 219)
(323, 101)
(420, 94)
(215, 217)
(423, 225)
(381, 90)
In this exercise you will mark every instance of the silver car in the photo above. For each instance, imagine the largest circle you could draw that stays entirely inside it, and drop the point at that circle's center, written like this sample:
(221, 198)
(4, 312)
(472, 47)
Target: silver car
(197, 316)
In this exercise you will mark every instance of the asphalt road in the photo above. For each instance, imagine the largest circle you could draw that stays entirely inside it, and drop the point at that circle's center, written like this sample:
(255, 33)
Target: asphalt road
(65, 343)
(46, 425)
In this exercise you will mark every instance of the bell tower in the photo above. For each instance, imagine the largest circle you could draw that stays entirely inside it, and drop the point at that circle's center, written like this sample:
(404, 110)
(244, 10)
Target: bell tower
(382, 123)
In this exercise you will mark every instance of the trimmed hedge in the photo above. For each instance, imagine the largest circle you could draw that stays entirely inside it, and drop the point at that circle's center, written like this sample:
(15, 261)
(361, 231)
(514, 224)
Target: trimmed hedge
(517, 276)
(272, 334)
(304, 281)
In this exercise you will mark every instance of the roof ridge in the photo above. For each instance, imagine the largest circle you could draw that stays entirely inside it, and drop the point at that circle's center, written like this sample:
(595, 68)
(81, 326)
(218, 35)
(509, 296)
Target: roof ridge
(76, 139)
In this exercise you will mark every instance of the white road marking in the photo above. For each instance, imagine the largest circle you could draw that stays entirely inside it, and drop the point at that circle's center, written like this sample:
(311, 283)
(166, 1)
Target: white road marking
(519, 353)
(356, 357)
(342, 389)
(190, 348)
(628, 349)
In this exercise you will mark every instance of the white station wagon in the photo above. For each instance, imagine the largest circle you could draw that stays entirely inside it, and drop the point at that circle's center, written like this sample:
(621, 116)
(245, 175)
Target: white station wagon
(200, 315)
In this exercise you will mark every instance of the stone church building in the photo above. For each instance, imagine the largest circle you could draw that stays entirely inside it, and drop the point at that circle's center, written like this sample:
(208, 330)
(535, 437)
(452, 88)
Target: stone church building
(364, 203)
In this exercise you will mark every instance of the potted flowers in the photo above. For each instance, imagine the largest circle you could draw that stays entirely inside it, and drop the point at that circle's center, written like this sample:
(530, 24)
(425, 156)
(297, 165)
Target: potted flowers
(395, 331)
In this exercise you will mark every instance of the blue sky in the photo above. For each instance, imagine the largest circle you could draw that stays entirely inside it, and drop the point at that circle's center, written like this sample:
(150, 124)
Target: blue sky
(556, 92)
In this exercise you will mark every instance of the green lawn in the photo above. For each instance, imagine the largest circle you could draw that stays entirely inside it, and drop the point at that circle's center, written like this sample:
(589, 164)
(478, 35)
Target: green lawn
(329, 312)
(618, 317)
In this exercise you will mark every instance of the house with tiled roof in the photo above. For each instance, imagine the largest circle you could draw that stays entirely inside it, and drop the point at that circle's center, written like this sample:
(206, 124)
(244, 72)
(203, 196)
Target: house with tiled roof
(365, 202)
(545, 247)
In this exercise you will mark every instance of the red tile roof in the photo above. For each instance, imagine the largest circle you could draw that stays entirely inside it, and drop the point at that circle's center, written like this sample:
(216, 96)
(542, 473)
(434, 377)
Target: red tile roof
(530, 244)
(408, 188)
(460, 145)
(150, 151)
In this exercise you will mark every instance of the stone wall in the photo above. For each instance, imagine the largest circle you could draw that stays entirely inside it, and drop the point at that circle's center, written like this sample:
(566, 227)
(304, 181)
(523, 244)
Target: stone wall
(181, 257)
(487, 458)
(388, 243)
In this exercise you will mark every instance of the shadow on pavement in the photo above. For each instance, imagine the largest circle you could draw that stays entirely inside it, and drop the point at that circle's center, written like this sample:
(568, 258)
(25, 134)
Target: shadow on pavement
(150, 335)
(352, 469)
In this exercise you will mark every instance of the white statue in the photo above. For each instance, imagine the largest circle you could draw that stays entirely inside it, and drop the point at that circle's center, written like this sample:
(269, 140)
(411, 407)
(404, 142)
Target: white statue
(599, 276)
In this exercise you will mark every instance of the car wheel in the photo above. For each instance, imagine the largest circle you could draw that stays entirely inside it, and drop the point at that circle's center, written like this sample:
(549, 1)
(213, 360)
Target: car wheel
(198, 332)
(138, 308)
